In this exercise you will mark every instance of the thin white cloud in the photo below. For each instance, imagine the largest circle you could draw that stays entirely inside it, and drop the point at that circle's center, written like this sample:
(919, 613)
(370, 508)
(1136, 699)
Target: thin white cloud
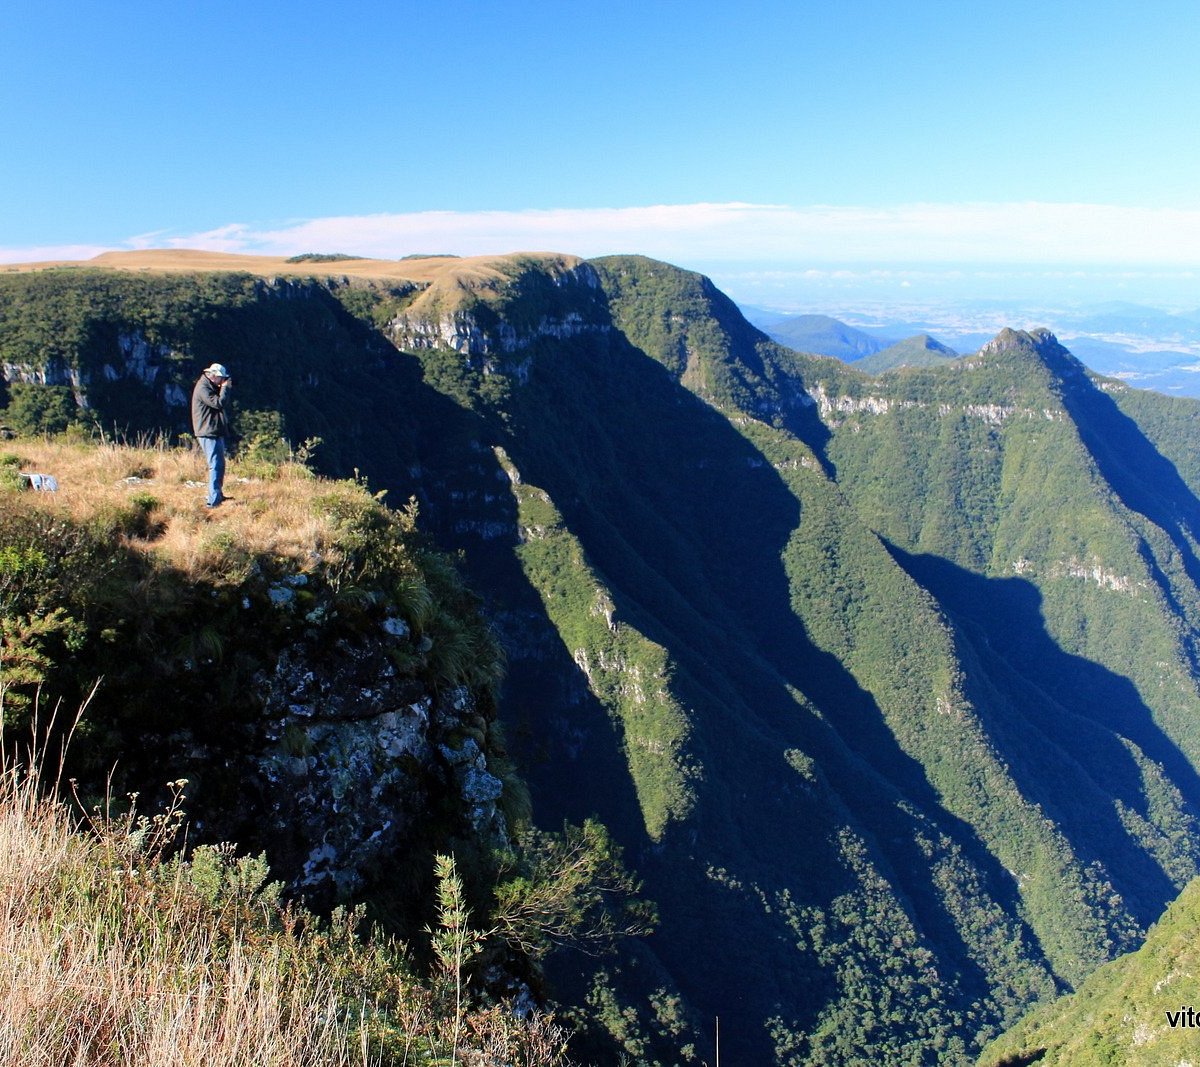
(682, 231)
(961, 233)
(984, 233)
(50, 253)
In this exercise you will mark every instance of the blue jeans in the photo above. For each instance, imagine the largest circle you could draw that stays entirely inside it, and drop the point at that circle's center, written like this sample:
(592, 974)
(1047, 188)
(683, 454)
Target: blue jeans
(214, 454)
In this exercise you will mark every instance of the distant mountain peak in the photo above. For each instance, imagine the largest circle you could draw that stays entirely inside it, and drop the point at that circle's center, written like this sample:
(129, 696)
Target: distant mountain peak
(818, 334)
(1039, 340)
(1038, 346)
(932, 343)
(919, 351)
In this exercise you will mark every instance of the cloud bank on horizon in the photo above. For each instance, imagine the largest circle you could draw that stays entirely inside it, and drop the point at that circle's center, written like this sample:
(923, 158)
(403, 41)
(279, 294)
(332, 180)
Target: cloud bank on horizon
(1030, 233)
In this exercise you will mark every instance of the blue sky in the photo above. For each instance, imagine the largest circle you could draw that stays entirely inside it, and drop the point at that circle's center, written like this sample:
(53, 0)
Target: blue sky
(762, 137)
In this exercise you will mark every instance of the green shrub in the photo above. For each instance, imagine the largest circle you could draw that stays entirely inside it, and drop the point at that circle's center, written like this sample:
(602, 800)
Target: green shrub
(264, 445)
(38, 409)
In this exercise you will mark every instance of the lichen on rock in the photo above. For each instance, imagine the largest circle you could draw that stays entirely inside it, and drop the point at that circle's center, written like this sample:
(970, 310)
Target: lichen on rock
(353, 757)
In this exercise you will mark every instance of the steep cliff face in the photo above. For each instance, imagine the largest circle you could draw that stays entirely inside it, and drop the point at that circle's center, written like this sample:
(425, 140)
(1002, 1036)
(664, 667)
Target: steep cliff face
(354, 760)
(886, 685)
(536, 299)
(328, 700)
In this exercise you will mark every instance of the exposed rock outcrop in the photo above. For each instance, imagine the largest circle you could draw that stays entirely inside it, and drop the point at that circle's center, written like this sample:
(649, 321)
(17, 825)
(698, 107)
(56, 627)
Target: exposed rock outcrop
(355, 755)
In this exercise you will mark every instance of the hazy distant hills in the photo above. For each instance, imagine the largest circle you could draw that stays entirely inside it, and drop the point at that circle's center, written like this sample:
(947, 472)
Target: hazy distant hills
(823, 335)
(1144, 346)
(819, 334)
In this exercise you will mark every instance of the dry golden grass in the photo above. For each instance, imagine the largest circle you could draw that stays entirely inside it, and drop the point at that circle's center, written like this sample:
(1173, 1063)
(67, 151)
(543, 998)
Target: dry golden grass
(113, 956)
(447, 281)
(274, 516)
(445, 270)
(104, 963)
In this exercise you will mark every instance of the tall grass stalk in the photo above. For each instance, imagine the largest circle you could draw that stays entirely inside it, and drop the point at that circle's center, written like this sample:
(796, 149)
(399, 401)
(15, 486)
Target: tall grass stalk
(109, 958)
(114, 955)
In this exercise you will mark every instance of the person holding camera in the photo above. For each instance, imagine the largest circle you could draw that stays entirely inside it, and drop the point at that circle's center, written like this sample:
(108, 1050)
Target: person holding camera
(210, 424)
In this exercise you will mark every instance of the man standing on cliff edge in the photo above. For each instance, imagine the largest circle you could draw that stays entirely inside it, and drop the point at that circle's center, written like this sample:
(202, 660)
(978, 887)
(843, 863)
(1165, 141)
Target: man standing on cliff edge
(210, 424)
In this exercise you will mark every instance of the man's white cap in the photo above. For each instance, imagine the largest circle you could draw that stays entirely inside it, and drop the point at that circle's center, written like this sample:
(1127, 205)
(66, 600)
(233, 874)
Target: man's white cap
(217, 371)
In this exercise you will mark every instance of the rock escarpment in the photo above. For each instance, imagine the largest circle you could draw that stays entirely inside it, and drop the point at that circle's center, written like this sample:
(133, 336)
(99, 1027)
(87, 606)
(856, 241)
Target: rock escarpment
(353, 760)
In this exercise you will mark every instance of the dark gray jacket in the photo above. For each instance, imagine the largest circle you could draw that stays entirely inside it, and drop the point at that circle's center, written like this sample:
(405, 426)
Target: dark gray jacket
(209, 417)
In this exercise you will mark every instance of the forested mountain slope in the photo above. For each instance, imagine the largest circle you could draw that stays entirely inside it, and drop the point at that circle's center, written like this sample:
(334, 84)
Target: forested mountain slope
(919, 351)
(887, 685)
(1138, 1011)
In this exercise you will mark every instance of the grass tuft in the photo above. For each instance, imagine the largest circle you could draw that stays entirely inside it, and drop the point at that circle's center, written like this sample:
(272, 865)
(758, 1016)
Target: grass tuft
(114, 952)
(111, 955)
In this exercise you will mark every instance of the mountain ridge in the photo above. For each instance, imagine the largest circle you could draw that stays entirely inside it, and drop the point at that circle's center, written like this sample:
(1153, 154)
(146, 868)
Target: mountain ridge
(787, 628)
(1136, 1010)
